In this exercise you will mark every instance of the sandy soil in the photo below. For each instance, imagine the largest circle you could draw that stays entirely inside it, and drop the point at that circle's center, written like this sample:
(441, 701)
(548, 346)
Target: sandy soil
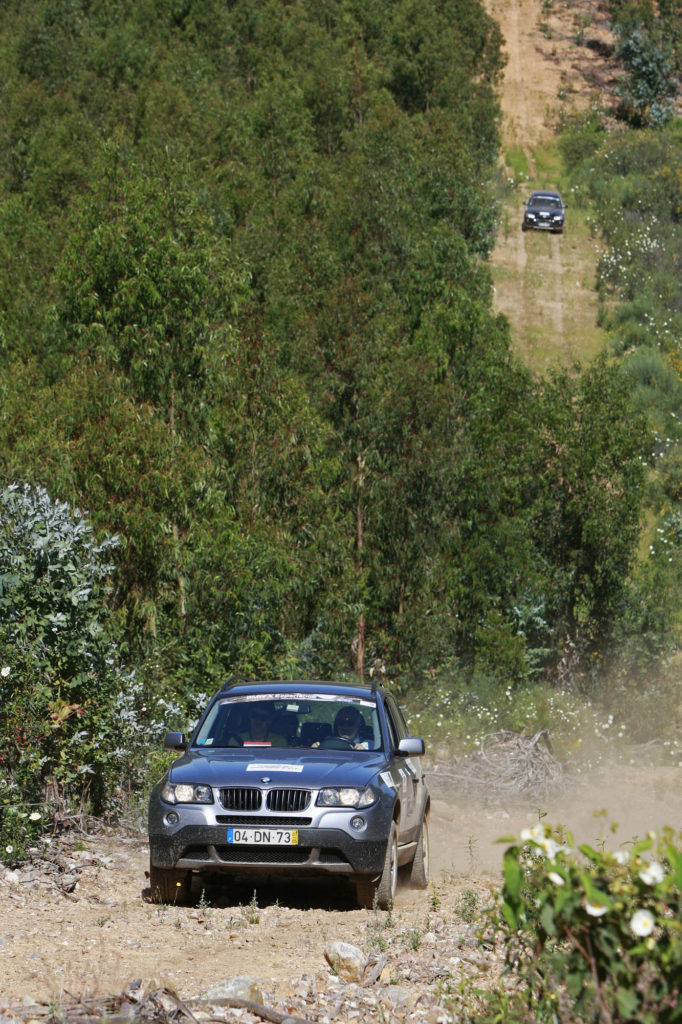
(104, 933)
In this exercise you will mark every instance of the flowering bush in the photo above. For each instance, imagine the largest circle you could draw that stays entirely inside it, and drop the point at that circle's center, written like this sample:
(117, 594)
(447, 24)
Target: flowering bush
(596, 934)
(74, 722)
(21, 825)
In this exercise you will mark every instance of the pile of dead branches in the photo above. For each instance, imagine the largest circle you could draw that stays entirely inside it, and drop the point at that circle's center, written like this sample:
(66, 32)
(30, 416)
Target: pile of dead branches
(507, 764)
(157, 1006)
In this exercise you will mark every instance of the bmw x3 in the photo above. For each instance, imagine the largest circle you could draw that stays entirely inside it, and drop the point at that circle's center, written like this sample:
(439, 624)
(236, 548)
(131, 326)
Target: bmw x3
(293, 778)
(544, 211)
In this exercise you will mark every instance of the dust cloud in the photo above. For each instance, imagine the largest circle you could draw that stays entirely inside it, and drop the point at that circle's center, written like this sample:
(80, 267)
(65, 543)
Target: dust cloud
(609, 806)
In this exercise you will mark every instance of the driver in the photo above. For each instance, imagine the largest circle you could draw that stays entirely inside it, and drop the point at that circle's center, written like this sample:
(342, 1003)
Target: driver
(347, 725)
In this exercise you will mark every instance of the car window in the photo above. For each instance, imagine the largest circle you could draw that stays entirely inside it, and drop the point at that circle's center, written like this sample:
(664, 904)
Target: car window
(290, 720)
(396, 723)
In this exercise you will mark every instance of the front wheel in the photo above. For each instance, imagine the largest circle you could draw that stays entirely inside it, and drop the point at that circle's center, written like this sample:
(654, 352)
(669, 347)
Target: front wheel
(381, 892)
(169, 885)
(419, 868)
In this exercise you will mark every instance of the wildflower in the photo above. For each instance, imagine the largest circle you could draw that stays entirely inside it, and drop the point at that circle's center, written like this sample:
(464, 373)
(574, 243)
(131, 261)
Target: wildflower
(5, 671)
(642, 923)
(621, 856)
(9, 849)
(595, 909)
(534, 834)
(554, 877)
(551, 848)
(652, 873)
(34, 816)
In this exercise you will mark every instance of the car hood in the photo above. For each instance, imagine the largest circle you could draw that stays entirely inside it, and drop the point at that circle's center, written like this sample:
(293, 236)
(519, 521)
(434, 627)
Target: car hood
(303, 771)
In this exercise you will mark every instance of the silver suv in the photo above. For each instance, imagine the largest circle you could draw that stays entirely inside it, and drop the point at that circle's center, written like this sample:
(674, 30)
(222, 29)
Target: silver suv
(295, 778)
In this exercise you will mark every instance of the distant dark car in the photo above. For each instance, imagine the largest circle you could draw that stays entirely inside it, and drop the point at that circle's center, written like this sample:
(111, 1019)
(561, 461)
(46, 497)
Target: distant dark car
(293, 778)
(544, 211)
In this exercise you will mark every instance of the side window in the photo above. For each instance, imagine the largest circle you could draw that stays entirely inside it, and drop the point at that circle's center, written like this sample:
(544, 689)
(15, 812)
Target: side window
(396, 724)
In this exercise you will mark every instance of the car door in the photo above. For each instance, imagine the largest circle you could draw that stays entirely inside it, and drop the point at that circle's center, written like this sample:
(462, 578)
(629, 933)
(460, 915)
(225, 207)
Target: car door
(407, 772)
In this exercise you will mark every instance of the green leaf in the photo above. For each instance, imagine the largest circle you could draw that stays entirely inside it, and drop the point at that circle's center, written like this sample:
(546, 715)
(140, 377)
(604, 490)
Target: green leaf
(510, 917)
(627, 1002)
(675, 861)
(547, 919)
(513, 876)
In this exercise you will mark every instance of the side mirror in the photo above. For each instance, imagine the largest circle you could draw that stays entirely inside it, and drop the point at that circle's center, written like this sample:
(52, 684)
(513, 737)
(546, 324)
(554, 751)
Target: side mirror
(411, 746)
(175, 741)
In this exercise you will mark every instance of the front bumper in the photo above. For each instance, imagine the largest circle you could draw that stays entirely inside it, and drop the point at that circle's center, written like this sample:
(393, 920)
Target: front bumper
(319, 851)
(543, 225)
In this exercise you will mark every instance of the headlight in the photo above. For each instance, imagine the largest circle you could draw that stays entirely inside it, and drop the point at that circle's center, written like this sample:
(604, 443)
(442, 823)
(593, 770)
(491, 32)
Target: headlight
(186, 794)
(346, 796)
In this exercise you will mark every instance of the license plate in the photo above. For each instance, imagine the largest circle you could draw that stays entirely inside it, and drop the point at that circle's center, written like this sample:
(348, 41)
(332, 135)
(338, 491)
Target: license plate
(263, 836)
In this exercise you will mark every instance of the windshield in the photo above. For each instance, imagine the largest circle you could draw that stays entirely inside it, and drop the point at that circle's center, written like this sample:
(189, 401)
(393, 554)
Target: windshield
(545, 203)
(325, 721)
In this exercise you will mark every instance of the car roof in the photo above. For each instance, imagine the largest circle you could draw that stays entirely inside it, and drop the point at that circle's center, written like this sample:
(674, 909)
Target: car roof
(541, 194)
(238, 687)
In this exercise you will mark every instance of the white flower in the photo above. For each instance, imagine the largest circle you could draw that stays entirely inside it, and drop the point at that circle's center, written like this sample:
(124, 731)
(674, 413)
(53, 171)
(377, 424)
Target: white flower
(652, 873)
(551, 847)
(5, 671)
(534, 834)
(621, 856)
(9, 849)
(642, 923)
(595, 909)
(34, 816)
(554, 877)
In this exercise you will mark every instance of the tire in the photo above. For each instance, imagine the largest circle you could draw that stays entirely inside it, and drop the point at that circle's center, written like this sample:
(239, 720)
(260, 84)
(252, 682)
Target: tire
(168, 885)
(381, 892)
(419, 868)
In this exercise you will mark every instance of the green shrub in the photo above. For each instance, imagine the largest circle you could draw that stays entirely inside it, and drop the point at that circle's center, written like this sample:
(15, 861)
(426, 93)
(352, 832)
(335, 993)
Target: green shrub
(596, 935)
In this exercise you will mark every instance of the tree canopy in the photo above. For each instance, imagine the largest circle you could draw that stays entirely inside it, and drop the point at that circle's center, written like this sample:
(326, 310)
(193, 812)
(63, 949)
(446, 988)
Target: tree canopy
(246, 323)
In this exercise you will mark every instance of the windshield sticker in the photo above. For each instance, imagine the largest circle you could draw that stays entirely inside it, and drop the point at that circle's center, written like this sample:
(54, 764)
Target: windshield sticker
(287, 698)
(259, 766)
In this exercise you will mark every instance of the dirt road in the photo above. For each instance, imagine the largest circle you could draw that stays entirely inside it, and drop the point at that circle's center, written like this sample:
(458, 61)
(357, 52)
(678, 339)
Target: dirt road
(544, 284)
(79, 921)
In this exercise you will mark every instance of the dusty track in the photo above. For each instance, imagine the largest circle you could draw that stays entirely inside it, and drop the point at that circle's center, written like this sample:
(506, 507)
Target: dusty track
(105, 933)
(544, 284)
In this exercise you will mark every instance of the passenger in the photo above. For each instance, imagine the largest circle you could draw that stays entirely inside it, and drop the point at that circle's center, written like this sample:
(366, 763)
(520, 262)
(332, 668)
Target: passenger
(260, 718)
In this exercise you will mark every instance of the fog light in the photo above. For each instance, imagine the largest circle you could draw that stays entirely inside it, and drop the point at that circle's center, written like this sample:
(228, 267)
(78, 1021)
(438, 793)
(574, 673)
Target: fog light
(172, 818)
(357, 822)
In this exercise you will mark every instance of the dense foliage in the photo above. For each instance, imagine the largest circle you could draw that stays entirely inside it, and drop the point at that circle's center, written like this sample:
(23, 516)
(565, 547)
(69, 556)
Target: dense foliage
(246, 322)
(596, 935)
(632, 182)
(649, 47)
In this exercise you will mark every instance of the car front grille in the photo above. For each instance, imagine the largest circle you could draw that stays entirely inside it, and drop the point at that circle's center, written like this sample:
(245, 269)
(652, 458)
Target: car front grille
(291, 800)
(262, 854)
(261, 820)
(239, 798)
(280, 801)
